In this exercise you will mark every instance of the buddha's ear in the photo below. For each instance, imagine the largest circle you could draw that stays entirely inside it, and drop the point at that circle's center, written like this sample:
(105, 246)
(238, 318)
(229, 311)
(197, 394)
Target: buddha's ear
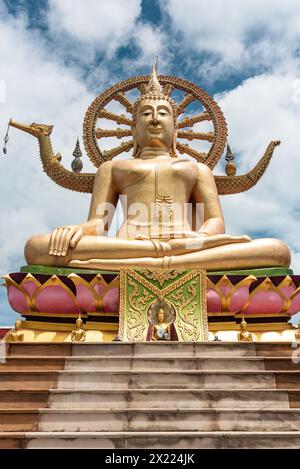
(136, 148)
(173, 147)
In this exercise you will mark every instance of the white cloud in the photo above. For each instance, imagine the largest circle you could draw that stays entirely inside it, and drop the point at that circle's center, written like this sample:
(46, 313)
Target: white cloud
(106, 24)
(251, 34)
(37, 90)
(151, 42)
(258, 111)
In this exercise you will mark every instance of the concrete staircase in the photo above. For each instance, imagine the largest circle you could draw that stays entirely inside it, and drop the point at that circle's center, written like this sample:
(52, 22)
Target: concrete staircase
(150, 395)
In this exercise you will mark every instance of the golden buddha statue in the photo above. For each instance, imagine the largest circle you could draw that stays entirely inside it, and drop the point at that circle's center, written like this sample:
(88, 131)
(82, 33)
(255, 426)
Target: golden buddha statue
(244, 335)
(154, 188)
(78, 334)
(297, 333)
(161, 330)
(15, 335)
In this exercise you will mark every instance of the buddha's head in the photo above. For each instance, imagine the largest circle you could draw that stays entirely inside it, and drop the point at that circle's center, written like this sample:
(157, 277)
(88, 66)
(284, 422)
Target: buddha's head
(154, 119)
(161, 316)
(243, 325)
(79, 323)
(18, 325)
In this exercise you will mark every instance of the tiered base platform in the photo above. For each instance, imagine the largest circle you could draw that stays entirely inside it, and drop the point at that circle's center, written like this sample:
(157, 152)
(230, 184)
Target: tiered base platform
(150, 395)
(50, 300)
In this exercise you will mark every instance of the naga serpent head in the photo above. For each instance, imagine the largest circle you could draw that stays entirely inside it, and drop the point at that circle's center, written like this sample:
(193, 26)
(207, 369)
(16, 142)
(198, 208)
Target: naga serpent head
(37, 130)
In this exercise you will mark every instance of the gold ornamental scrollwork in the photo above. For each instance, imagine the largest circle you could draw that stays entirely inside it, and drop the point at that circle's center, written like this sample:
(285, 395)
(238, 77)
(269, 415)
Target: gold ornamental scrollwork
(185, 291)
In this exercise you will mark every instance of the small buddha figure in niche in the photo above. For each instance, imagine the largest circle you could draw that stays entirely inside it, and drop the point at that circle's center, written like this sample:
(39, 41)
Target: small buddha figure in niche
(15, 335)
(161, 330)
(78, 334)
(244, 335)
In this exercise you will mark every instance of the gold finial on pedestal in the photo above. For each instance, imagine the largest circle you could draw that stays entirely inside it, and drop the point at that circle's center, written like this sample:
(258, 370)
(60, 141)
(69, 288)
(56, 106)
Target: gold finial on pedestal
(78, 334)
(15, 335)
(244, 335)
(230, 167)
(77, 163)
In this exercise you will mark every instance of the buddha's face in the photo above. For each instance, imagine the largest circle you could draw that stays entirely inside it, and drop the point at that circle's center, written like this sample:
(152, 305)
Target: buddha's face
(154, 124)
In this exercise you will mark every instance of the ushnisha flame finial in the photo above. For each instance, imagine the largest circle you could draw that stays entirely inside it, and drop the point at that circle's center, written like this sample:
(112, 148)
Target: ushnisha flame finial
(154, 90)
(154, 86)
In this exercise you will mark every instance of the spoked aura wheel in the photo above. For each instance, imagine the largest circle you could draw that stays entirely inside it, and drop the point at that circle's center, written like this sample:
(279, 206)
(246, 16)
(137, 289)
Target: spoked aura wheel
(204, 111)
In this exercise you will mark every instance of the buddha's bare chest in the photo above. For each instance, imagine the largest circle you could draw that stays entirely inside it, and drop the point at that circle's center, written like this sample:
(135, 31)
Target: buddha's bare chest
(145, 174)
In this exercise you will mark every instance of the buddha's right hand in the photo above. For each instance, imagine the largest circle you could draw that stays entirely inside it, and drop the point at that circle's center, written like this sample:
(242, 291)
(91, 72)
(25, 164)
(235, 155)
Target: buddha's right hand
(64, 238)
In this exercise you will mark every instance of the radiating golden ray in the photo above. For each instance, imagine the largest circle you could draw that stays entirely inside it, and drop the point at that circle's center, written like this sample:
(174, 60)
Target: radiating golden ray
(125, 146)
(185, 148)
(190, 121)
(119, 133)
(190, 135)
(188, 99)
(121, 98)
(118, 118)
(168, 89)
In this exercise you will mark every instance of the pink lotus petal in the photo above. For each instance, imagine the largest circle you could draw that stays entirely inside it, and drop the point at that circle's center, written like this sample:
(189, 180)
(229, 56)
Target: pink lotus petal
(265, 302)
(30, 287)
(17, 300)
(225, 288)
(111, 301)
(213, 301)
(295, 305)
(54, 299)
(85, 298)
(98, 287)
(239, 299)
(287, 290)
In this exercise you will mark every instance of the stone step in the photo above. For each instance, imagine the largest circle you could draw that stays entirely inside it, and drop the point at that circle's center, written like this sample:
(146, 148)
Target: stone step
(149, 379)
(179, 380)
(19, 420)
(155, 363)
(121, 363)
(182, 363)
(160, 350)
(174, 398)
(144, 420)
(153, 398)
(151, 348)
(33, 363)
(30, 399)
(276, 349)
(150, 440)
(11, 379)
(25, 381)
(47, 349)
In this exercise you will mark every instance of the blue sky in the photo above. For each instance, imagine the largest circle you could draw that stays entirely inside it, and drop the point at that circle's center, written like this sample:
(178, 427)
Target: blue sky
(57, 55)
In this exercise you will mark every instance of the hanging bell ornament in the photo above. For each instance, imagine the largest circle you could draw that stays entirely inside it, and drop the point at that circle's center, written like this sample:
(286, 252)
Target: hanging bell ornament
(6, 139)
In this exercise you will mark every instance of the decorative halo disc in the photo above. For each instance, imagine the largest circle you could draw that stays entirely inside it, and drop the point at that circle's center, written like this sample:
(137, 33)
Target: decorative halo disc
(210, 113)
